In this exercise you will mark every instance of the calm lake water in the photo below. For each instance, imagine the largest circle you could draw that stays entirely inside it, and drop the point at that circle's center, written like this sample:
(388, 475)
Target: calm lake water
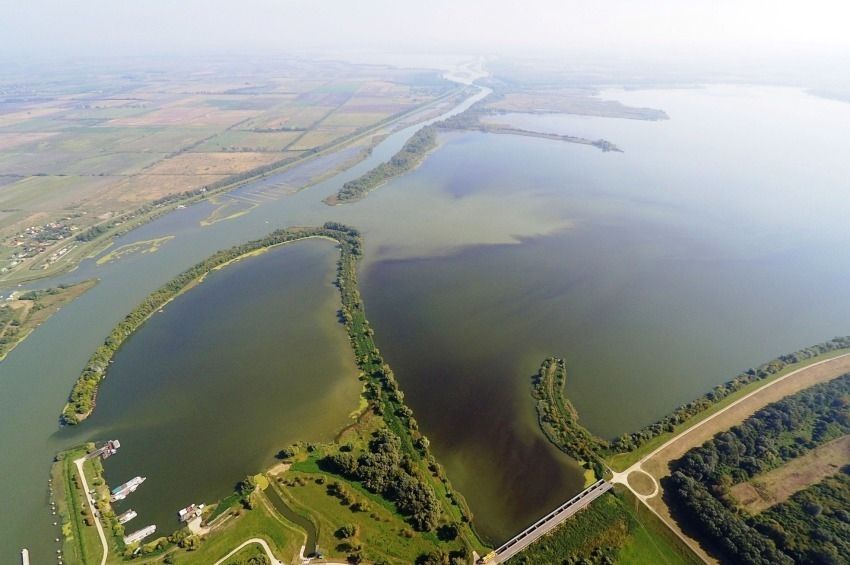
(275, 368)
(715, 242)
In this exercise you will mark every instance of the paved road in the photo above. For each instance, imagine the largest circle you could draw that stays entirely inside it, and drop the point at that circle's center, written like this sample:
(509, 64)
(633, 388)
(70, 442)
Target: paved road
(545, 524)
(637, 467)
(260, 541)
(79, 463)
(622, 478)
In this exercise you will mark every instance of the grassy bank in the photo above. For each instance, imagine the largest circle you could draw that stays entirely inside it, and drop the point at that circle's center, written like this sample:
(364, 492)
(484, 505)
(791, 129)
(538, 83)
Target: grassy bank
(613, 529)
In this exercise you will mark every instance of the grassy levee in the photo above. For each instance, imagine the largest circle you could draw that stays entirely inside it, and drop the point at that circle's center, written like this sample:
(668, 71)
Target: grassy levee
(622, 461)
(558, 418)
(387, 400)
(80, 542)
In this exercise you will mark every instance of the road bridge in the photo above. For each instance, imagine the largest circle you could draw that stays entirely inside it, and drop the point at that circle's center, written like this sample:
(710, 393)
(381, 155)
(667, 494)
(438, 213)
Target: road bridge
(547, 523)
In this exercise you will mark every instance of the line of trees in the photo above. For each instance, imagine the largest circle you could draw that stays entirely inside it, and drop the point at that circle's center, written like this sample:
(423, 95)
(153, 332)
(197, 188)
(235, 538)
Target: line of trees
(628, 442)
(399, 459)
(83, 395)
(775, 434)
(407, 157)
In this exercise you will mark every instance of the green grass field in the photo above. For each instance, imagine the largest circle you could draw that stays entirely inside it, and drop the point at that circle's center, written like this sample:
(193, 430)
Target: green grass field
(613, 529)
(261, 522)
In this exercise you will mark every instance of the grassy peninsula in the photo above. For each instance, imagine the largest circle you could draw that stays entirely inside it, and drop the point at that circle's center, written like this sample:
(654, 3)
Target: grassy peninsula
(408, 157)
(559, 419)
(20, 315)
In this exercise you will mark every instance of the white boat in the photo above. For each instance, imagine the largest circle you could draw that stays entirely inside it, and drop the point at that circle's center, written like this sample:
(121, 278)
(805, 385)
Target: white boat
(127, 516)
(121, 492)
(139, 535)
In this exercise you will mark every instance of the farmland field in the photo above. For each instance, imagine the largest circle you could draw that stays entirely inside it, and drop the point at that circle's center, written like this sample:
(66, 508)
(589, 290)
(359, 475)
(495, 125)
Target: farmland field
(82, 150)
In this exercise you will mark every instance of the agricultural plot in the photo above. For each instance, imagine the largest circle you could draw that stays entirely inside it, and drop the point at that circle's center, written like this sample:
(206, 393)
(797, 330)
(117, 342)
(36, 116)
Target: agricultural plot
(94, 147)
(241, 140)
(223, 163)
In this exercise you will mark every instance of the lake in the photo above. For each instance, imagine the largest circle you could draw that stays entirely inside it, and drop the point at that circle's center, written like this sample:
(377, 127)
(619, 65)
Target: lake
(716, 241)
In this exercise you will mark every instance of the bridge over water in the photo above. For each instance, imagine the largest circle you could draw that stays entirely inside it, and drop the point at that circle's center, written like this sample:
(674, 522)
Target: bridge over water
(547, 523)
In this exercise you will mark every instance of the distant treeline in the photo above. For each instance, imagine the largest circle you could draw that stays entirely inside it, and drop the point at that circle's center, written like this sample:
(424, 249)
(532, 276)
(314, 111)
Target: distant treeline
(84, 392)
(628, 442)
(775, 434)
(559, 420)
(408, 156)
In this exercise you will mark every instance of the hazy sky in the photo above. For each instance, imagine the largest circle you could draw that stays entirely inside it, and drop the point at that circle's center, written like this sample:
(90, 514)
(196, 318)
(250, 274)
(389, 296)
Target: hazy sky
(74, 27)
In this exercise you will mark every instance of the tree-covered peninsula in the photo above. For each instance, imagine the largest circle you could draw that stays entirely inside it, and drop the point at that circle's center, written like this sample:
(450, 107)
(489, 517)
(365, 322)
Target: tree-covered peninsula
(408, 157)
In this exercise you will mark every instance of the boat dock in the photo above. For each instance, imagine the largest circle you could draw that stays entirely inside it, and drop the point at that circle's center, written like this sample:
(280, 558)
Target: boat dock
(127, 516)
(106, 451)
(139, 535)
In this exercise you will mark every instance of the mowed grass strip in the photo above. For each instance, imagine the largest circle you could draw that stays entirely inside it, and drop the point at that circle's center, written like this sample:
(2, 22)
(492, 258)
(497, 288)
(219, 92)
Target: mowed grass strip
(282, 536)
(381, 530)
(778, 485)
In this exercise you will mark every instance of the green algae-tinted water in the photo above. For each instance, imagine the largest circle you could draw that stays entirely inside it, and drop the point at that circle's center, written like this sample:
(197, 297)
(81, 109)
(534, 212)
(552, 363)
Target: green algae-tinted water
(210, 388)
(715, 242)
